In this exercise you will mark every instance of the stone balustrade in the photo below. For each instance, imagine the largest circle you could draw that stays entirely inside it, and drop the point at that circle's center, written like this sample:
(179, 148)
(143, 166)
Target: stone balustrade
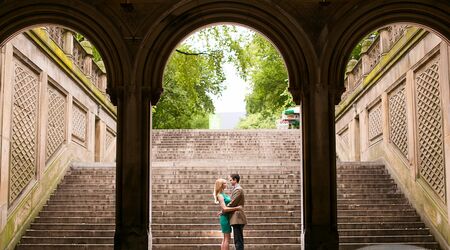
(81, 54)
(371, 53)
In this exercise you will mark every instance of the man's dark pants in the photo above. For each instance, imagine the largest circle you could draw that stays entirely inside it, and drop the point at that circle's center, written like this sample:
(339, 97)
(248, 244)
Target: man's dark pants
(238, 232)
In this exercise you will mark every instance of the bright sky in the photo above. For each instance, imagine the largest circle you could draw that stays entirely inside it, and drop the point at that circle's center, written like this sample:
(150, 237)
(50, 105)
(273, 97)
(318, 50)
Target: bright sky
(232, 99)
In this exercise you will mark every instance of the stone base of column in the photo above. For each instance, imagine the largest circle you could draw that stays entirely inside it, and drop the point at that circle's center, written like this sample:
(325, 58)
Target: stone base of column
(132, 238)
(318, 238)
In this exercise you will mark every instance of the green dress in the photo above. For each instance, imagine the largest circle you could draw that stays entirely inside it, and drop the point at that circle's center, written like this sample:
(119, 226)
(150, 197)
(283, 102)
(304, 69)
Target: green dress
(225, 218)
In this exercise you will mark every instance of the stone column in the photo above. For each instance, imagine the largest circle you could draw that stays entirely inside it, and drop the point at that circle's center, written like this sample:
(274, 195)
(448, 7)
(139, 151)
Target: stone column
(42, 124)
(385, 117)
(384, 40)
(68, 42)
(100, 136)
(132, 173)
(354, 140)
(319, 169)
(364, 133)
(6, 89)
(411, 121)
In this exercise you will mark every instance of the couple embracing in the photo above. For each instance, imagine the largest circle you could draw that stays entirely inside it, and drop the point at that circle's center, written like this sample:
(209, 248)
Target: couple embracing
(232, 211)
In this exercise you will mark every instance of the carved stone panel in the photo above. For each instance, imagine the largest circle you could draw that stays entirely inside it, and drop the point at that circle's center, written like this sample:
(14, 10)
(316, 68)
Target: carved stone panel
(344, 136)
(375, 123)
(24, 129)
(79, 126)
(56, 121)
(109, 138)
(429, 126)
(398, 123)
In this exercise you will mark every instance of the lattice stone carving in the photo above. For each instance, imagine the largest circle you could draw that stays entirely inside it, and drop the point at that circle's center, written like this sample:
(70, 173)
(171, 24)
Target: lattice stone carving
(374, 54)
(344, 136)
(396, 31)
(24, 130)
(79, 118)
(56, 121)
(56, 34)
(430, 135)
(398, 123)
(375, 122)
(109, 138)
(78, 55)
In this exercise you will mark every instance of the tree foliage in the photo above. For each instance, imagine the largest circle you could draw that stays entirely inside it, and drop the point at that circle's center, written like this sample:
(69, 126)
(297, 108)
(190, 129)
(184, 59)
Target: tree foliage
(269, 83)
(194, 73)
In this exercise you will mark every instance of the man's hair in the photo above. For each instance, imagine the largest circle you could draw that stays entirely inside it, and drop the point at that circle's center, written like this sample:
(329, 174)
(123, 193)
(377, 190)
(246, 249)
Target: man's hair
(235, 177)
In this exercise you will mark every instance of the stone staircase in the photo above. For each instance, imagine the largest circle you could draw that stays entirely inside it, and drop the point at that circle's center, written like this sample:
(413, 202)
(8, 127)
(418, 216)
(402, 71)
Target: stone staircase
(184, 212)
(371, 209)
(80, 214)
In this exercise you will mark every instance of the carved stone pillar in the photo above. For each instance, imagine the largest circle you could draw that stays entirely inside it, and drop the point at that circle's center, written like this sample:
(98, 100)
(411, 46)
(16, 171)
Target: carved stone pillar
(132, 174)
(319, 168)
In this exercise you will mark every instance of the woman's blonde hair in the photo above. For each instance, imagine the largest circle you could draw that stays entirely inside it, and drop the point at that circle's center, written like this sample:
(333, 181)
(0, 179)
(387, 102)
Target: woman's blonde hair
(218, 188)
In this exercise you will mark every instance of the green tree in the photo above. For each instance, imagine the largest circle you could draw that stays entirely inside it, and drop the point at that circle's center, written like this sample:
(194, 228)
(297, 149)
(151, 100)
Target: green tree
(269, 82)
(190, 78)
(194, 74)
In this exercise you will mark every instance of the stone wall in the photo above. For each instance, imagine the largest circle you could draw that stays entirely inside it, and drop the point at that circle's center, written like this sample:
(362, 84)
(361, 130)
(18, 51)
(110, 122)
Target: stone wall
(53, 110)
(226, 145)
(397, 109)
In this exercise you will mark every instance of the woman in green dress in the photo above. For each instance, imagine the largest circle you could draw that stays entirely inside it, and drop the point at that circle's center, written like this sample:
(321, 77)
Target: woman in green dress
(223, 199)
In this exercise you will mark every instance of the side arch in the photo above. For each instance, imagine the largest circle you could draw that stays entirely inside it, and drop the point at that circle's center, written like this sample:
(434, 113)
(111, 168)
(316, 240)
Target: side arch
(76, 15)
(289, 38)
(351, 24)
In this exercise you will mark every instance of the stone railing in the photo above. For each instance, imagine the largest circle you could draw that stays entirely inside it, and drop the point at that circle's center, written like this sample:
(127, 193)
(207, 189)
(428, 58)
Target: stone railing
(81, 54)
(371, 52)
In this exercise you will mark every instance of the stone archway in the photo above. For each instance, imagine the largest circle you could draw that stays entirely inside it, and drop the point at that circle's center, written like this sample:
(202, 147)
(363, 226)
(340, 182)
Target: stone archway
(84, 19)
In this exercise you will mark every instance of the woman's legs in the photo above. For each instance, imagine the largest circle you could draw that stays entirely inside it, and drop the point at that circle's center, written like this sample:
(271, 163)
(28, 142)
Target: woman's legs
(225, 241)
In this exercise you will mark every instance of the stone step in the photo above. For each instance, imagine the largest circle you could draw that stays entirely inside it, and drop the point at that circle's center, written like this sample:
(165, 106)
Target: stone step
(215, 207)
(64, 246)
(215, 232)
(70, 233)
(66, 240)
(217, 246)
(72, 226)
(412, 245)
(213, 213)
(97, 214)
(371, 190)
(210, 181)
(212, 177)
(91, 220)
(374, 201)
(212, 240)
(381, 232)
(381, 218)
(80, 202)
(380, 225)
(373, 212)
(252, 226)
(209, 191)
(210, 201)
(373, 206)
(210, 186)
(189, 196)
(365, 185)
(370, 196)
(210, 220)
(385, 238)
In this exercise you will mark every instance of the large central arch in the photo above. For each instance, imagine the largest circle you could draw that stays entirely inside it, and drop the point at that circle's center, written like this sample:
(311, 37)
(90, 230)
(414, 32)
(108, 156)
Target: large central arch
(288, 37)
